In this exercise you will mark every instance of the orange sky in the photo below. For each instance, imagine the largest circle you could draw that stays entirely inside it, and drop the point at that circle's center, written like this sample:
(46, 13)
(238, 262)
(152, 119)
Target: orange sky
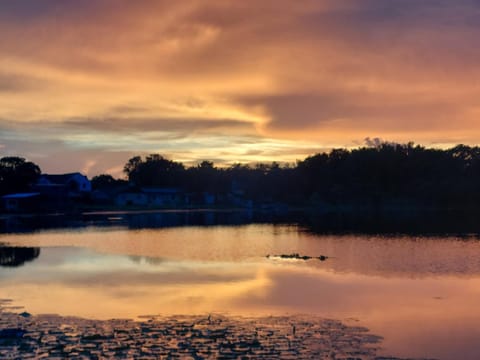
(85, 85)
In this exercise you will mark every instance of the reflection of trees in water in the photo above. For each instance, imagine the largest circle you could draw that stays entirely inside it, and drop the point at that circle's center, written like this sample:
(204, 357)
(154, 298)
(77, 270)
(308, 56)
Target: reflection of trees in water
(425, 223)
(17, 256)
(188, 218)
(418, 223)
(148, 220)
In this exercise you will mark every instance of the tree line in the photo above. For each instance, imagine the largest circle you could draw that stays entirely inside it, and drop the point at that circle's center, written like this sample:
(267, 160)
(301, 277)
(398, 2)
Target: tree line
(380, 174)
(17, 174)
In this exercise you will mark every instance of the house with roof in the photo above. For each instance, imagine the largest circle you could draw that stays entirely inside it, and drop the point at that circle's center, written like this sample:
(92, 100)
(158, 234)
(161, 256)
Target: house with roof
(22, 202)
(49, 193)
(73, 185)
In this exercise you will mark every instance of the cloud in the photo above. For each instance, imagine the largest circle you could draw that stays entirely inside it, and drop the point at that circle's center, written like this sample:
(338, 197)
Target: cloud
(167, 125)
(371, 112)
(67, 147)
(209, 76)
(18, 83)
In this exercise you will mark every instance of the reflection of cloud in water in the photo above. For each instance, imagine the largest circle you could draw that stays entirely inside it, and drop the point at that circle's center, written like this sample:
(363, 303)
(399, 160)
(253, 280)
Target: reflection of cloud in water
(109, 286)
(414, 291)
(386, 256)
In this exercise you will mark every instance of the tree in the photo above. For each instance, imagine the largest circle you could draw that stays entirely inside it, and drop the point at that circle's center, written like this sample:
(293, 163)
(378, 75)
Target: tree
(17, 174)
(132, 165)
(17, 256)
(105, 181)
(203, 177)
(155, 170)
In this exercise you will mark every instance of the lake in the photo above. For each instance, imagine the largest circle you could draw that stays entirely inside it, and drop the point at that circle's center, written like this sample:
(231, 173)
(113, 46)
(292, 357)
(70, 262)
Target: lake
(419, 291)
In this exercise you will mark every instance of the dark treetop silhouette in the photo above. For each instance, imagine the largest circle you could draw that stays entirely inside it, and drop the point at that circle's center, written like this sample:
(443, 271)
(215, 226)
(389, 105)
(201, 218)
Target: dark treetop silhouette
(377, 176)
(17, 174)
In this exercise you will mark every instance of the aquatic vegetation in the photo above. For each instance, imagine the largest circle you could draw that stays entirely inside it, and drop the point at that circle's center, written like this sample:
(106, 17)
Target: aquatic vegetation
(297, 256)
(196, 337)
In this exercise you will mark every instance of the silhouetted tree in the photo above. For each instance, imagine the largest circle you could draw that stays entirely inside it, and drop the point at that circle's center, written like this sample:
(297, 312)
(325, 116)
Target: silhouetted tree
(204, 177)
(155, 170)
(380, 174)
(17, 174)
(17, 256)
(132, 166)
(105, 181)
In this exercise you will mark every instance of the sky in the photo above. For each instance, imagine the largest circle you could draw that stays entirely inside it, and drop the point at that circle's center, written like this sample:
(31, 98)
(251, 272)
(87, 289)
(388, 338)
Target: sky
(85, 85)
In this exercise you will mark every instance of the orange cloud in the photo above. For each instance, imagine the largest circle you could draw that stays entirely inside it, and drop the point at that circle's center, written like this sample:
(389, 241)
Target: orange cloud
(314, 73)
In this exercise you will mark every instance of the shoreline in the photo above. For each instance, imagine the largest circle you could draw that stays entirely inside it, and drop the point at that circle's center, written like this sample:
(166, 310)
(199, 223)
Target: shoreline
(345, 209)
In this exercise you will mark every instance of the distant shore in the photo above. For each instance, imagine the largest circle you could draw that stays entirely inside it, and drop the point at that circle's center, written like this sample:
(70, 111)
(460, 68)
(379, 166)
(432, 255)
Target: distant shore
(343, 208)
(418, 221)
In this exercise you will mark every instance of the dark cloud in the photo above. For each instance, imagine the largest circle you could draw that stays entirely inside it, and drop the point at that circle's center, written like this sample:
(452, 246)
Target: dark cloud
(90, 34)
(18, 83)
(127, 125)
(360, 110)
(28, 9)
(153, 124)
(24, 12)
(124, 110)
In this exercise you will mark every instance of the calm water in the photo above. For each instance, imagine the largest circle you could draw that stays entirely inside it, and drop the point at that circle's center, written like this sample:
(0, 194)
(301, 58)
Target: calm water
(422, 294)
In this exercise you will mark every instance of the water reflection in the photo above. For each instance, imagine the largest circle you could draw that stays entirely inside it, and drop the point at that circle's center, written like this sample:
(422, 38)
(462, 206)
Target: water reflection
(17, 256)
(413, 223)
(409, 223)
(420, 293)
(385, 256)
(133, 220)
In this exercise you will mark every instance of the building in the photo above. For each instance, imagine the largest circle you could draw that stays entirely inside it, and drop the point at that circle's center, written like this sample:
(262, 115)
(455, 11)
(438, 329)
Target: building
(74, 185)
(21, 202)
(152, 197)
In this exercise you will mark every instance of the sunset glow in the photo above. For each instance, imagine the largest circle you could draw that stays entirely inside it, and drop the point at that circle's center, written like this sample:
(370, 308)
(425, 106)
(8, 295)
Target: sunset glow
(84, 85)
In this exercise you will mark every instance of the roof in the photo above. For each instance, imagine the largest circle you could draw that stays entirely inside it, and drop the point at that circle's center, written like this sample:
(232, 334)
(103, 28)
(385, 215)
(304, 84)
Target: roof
(20, 195)
(60, 178)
